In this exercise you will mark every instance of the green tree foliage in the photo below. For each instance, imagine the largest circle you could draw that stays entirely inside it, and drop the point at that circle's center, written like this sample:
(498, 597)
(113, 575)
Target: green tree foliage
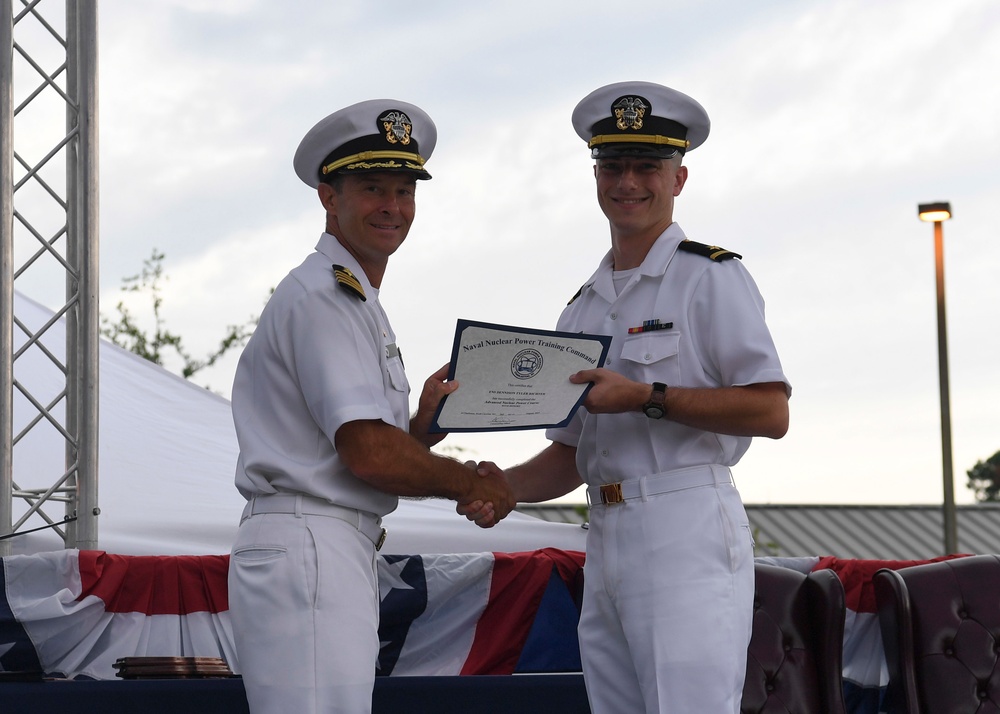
(984, 478)
(127, 333)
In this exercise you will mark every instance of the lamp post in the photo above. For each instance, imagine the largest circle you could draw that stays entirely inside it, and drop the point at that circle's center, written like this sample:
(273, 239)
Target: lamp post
(937, 213)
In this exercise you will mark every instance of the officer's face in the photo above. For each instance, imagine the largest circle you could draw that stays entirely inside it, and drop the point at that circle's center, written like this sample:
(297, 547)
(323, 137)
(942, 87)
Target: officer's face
(637, 194)
(371, 213)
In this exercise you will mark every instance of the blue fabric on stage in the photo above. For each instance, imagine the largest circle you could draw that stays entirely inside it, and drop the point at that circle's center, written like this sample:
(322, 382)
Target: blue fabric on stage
(547, 648)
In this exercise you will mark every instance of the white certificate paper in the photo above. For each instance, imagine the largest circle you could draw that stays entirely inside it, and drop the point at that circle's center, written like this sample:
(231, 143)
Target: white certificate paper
(516, 378)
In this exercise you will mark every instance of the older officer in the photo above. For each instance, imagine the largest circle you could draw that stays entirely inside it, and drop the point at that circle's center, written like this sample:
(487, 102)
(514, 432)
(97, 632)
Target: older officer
(320, 403)
(693, 375)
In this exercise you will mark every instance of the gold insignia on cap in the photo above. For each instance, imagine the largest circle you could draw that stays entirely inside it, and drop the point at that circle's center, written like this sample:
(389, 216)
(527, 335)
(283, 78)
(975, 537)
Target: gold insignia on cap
(348, 282)
(397, 127)
(637, 139)
(363, 160)
(629, 112)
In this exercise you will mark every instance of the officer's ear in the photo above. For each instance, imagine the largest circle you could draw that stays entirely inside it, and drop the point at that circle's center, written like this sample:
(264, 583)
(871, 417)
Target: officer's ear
(328, 197)
(680, 179)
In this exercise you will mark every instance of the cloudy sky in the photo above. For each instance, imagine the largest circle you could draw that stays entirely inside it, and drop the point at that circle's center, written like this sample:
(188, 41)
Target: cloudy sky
(831, 121)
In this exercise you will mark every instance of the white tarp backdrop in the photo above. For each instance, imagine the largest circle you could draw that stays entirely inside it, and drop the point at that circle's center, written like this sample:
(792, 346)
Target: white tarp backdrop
(167, 457)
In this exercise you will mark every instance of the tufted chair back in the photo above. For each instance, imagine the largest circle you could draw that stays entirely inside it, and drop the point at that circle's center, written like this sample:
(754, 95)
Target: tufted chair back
(795, 659)
(940, 627)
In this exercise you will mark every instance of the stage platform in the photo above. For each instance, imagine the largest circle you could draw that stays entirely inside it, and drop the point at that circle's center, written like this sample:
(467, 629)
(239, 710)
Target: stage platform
(483, 694)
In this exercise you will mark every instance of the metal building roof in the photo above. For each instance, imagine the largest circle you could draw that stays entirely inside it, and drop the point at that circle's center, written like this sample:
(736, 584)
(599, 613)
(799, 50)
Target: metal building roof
(868, 532)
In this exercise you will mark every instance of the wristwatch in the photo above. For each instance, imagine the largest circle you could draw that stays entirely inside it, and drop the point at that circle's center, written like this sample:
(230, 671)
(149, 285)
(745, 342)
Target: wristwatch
(655, 407)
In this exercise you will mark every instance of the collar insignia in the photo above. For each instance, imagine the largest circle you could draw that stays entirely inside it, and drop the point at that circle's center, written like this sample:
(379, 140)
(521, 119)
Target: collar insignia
(348, 282)
(629, 112)
(397, 127)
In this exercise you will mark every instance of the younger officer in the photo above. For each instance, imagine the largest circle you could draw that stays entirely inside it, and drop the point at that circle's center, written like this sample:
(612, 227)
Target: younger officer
(320, 403)
(693, 375)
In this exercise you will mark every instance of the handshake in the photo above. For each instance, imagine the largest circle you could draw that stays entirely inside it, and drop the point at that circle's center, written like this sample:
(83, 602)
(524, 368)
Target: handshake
(489, 498)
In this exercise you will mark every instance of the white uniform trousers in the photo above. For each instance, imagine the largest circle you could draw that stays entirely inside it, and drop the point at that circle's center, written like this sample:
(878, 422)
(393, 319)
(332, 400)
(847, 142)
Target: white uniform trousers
(303, 599)
(668, 603)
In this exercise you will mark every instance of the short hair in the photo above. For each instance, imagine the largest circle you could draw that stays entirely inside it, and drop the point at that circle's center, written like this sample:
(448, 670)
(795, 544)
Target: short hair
(335, 181)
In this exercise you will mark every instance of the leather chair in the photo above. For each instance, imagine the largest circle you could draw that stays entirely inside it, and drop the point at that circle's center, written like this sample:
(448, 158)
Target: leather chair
(940, 626)
(795, 658)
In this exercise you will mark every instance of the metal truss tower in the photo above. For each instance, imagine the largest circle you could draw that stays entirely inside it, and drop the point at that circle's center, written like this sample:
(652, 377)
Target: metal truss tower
(49, 235)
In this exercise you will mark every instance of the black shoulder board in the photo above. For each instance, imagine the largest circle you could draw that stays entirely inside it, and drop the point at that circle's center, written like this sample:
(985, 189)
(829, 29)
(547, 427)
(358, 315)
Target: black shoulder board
(348, 282)
(573, 299)
(709, 251)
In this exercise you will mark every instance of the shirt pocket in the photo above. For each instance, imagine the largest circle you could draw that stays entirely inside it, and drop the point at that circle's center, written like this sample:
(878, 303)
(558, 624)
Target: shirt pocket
(397, 375)
(653, 357)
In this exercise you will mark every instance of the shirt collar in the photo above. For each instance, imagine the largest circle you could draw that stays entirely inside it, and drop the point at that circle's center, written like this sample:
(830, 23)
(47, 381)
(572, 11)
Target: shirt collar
(331, 248)
(659, 255)
(654, 264)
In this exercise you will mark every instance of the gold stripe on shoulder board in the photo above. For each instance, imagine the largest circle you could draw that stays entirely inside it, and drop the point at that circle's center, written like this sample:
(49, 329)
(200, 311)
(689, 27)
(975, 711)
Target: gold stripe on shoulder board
(348, 282)
(713, 252)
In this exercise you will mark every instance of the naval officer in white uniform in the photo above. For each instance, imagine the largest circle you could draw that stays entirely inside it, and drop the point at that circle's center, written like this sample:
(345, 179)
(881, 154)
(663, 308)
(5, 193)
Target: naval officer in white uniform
(692, 375)
(320, 404)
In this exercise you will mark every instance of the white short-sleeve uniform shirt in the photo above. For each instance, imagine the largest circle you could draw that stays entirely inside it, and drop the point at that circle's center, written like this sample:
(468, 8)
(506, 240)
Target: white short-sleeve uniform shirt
(668, 580)
(319, 358)
(717, 338)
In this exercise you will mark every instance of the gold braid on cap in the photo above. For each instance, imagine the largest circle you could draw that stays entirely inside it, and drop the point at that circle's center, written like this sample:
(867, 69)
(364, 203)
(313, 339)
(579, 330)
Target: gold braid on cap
(414, 161)
(636, 139)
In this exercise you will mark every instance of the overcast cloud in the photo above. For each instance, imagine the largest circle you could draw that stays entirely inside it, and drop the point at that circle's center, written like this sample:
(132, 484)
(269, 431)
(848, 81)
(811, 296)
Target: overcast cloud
(831, 122)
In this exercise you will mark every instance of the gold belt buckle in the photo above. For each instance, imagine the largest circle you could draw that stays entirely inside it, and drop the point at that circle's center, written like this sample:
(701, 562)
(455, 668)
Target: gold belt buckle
(611, 493)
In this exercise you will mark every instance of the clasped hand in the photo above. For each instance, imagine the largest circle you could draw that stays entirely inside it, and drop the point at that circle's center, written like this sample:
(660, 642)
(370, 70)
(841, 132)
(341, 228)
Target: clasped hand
(492, 500)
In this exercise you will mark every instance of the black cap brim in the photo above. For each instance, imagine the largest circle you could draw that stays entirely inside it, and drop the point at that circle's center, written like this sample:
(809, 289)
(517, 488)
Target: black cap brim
(649, 151)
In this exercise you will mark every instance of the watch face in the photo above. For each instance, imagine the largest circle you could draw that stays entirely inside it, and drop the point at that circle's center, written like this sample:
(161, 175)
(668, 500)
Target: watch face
(655, 407)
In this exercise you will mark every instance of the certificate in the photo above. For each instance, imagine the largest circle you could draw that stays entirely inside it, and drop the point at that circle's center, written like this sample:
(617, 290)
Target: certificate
(516, 378)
